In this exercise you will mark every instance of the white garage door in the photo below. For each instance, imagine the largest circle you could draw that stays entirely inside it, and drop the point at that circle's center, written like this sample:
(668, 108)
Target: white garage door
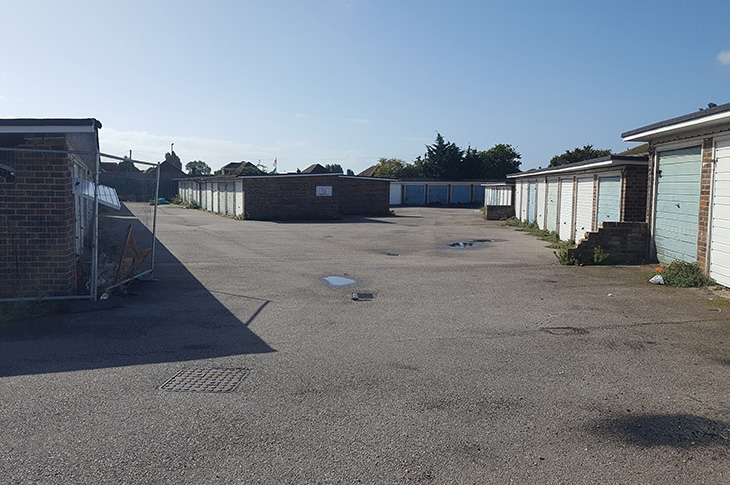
(541, 204)
(608, 206)
(678, 204)
(551, 210)
(720, 235)
(583, 207)
(566, 209)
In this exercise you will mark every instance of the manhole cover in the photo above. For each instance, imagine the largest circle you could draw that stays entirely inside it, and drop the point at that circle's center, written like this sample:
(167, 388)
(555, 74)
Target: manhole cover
(205, 380)
(363, 296)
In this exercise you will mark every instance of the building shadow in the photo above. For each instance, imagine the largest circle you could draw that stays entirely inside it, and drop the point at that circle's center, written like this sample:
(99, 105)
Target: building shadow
(172, 319)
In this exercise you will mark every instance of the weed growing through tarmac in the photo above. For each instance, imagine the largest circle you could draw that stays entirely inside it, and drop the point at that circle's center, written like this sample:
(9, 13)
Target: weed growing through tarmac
(686, 275)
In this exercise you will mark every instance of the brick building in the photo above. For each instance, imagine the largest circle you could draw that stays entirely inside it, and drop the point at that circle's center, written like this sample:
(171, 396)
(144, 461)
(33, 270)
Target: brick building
(688, 203)
(289, 196)
(46, 167)
(577, 200)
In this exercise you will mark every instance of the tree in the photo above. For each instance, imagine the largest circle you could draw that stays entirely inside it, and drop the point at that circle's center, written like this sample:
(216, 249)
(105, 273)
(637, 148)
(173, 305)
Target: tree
(257, 169)
(197, 167)
(334, 168)
(578, 155)
(499, 161)
(173, 159)
(389, 167)
(443, 160)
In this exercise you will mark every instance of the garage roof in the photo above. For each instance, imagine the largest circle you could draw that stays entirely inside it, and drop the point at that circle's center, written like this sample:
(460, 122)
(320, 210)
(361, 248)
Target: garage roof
(702, 118)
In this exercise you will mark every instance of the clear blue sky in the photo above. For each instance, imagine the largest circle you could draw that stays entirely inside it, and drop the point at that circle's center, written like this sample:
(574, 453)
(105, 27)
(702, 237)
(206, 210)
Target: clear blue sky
(350, 81)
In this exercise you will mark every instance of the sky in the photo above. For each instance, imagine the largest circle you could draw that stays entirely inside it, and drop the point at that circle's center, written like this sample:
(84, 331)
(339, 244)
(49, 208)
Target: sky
(350, 81)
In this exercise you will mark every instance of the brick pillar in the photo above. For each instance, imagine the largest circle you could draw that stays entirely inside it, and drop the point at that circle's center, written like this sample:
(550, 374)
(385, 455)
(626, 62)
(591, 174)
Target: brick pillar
(704, 216)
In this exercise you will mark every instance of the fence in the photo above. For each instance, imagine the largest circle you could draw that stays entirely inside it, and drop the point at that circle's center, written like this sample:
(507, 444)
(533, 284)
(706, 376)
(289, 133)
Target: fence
(50, 199)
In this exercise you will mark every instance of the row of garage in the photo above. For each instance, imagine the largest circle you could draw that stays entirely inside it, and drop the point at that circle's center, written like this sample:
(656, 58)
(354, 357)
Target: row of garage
(422, 192)
(576, 198)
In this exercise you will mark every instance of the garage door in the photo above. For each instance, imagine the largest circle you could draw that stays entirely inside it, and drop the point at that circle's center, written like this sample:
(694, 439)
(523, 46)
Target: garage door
(525, 203)
(532, 196)
(720, 235)
(541, 204)
(415, 194)
(551, 209)
(608, 206)
(566, 209)
(677, 204)
(583, 207)
(395, 194)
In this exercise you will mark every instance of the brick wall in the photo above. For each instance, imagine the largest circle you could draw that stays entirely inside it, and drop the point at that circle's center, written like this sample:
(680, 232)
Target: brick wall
(625, 242)
(634, 190)
(704, 216)
(363, 197)
(498, 212)
(37, 230)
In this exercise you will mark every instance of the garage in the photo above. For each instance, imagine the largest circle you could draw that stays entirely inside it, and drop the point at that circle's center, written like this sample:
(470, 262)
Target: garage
(608, 205)
(551, 207)
(574, 198)
(583, 207)
(677, 204)
(565, 223)
(720, 230)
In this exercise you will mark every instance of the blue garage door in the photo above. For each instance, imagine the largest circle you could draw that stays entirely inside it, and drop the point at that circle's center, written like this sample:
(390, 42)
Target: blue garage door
(415, 194)
(438, 194)
(676, 217)
(460, 194)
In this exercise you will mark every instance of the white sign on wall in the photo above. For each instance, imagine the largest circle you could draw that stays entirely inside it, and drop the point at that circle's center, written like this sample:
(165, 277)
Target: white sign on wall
(324, 191)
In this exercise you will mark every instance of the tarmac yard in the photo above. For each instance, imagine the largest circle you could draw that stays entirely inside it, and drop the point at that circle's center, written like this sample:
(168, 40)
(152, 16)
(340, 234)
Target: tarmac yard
(477, 360)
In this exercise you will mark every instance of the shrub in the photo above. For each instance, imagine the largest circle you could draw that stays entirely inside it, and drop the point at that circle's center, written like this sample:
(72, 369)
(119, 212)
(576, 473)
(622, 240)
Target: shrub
(686, 275)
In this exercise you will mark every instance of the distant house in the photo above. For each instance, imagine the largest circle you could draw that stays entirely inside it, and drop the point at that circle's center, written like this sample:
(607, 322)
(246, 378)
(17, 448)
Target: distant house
(47, 175)
(368, 172)
(688, 207)
(315, 168)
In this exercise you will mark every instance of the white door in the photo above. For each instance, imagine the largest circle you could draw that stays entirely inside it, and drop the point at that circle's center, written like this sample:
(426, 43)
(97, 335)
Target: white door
(608, 205)
(551, 208)
(540, 204)
(566, 209)
(396, 194)
(583, 207)
(720, 227)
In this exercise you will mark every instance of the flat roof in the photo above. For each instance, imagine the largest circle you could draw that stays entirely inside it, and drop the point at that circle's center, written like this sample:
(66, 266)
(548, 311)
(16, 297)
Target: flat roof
(701, 118)
(48, 125)
(594, 163)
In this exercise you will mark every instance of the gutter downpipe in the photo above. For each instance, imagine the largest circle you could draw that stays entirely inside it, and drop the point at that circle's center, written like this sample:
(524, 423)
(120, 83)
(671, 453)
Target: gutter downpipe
(95, 249)
(655, 183)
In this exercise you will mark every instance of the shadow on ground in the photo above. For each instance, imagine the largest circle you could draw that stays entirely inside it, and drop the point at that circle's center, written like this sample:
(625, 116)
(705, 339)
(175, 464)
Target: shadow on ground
(173, 319)
(675, 430)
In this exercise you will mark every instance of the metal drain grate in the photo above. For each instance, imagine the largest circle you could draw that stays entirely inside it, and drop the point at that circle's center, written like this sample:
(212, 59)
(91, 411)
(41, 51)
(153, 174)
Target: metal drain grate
(205, 380)
(364, 296)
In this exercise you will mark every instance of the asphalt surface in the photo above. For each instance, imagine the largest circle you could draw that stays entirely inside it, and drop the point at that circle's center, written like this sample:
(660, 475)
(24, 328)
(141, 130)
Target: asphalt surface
(475, 365)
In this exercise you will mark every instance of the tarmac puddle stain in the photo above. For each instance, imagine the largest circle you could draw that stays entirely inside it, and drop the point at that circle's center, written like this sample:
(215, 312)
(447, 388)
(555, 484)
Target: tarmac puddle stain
(470, 244)
(339, 280)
